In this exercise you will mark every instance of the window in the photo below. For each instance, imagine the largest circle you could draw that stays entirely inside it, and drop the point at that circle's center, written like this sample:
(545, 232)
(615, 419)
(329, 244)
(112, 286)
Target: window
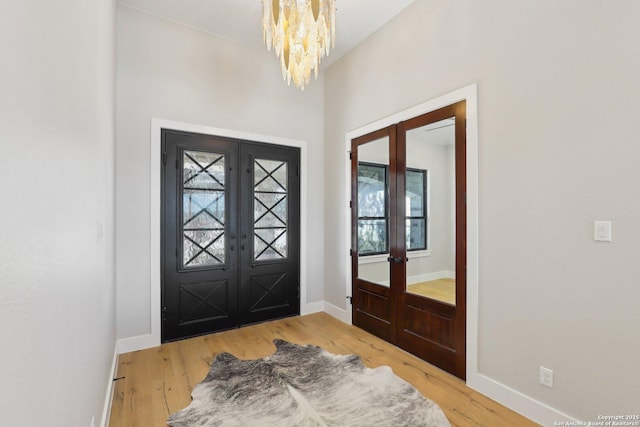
(373, 209)
(416, 203)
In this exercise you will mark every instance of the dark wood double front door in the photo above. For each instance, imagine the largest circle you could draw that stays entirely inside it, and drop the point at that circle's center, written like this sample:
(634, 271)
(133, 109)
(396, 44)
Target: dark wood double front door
(230, 233)
(408, 186)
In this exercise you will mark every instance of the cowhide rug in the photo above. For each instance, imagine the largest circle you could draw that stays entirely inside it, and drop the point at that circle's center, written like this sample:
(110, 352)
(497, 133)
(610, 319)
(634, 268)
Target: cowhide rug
(304, 386)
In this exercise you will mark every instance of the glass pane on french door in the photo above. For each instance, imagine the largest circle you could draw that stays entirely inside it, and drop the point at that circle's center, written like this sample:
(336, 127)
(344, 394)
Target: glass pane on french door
(373, 212)
(270, 201)
(430, 211)
(203, 209)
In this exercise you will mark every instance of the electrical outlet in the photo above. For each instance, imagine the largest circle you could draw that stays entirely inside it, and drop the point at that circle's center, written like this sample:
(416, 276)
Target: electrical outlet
(546, 377)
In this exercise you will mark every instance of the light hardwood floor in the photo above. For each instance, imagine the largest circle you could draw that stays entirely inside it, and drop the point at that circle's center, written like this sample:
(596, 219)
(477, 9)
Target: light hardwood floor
(440, 289)
(158, 381)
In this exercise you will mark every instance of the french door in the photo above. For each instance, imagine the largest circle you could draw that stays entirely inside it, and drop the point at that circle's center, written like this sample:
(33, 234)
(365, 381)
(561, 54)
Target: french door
(230, 233)
(408, 184)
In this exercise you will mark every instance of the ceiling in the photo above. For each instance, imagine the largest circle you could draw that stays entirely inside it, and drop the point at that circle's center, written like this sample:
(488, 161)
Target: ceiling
(241, 20)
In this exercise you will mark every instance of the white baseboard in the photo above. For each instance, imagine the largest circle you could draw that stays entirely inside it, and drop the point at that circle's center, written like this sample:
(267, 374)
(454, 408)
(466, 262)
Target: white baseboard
(108, 399)
(536, 411)
(312, 307)
(431, 276)
(140, 342)
(427, 277)
(337, 312)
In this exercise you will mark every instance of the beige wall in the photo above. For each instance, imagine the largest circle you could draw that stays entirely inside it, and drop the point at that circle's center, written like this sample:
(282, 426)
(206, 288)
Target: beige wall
(57, 115)
(558, 149)
(174, 72)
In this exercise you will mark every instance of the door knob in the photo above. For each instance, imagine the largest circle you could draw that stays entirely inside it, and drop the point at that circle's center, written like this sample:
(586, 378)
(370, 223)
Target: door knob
(397, 260)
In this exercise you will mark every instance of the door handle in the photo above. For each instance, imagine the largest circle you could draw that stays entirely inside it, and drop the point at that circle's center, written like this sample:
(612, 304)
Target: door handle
(397, 260)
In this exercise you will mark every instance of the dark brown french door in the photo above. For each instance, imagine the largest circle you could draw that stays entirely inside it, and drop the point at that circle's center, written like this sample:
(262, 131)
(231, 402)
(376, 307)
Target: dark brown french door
(230, 233)
(408, 186)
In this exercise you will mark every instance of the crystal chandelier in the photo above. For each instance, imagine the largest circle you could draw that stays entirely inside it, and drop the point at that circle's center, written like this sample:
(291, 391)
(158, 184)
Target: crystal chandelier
(301, 32)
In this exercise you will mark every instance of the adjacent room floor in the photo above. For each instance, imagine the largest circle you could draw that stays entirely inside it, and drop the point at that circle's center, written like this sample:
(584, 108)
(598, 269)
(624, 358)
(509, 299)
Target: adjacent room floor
(158, 381)
(441, 289)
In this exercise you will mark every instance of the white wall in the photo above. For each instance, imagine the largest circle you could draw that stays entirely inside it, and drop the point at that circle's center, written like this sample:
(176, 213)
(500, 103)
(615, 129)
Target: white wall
(174, 72)
(558, 148)
(57, 110)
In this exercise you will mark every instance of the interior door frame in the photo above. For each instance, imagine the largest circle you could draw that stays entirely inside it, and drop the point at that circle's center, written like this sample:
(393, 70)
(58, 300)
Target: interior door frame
(468, 94)
(153, 338)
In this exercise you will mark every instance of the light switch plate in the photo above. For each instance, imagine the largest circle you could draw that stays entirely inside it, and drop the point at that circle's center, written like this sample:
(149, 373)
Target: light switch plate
(602, 231)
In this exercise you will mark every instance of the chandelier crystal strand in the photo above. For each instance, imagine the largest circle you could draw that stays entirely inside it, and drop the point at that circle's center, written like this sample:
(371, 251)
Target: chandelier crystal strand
(301, 32)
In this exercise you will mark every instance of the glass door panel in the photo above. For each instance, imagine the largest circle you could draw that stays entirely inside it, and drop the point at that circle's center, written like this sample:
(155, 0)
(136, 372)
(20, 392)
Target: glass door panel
(430, 214)
(203, 205)
(373, 212)
(270, 192)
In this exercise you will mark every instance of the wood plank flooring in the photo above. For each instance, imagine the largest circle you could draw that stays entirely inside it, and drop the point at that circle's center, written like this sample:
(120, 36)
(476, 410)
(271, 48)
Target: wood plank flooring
(440, 289)
(158, 381)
